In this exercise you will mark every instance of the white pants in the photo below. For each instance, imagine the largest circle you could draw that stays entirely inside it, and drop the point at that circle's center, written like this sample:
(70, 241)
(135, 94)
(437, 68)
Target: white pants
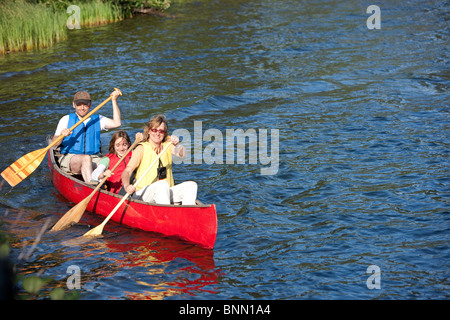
(159, 192)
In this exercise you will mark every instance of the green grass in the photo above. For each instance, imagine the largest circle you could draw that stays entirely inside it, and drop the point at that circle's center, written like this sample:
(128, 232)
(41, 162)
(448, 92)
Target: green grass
(96, 12)
(27, 26)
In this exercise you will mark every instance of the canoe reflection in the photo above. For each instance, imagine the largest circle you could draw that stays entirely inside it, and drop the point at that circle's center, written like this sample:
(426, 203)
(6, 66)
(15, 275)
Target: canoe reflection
(161, 267)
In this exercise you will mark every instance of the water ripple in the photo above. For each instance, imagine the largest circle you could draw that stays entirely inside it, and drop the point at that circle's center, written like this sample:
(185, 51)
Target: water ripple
(362, 118)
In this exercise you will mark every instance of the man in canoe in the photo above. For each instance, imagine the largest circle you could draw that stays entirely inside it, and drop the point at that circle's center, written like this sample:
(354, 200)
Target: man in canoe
(81, 147)
(158, 184)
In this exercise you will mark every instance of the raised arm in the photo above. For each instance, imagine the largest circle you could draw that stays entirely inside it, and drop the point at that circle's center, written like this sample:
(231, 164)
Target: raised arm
(116, 120)
(177, 149)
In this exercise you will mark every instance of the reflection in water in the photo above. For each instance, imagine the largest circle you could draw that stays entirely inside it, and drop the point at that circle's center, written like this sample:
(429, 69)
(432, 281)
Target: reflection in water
(363, 135)
(170, 267)
(155, 267)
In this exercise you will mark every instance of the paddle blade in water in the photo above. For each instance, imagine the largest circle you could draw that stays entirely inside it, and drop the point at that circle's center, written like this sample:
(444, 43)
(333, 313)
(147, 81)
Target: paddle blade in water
(96, 232)
(72, 216)
(23, 167)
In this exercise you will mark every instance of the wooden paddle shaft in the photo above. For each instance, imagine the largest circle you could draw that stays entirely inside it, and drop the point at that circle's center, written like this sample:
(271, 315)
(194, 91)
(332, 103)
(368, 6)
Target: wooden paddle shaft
(61, 137)
(135, 184)
(83, 119)
(116, 165)
(40, 153)
(74, 215)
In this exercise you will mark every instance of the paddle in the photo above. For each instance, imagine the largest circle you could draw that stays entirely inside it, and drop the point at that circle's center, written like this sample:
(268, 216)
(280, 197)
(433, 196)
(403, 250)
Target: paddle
(74, 215)
(24, 166)
(97, 231)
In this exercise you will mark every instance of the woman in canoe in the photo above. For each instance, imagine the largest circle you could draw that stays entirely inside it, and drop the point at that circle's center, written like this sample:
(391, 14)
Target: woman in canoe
(118, 146)
(158, 184)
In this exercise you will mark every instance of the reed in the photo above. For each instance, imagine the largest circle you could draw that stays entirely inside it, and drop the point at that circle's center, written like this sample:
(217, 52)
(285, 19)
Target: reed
(97, 12)
(27, 26)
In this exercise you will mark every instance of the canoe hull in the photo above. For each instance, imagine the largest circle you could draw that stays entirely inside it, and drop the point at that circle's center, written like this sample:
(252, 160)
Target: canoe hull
(196, 224)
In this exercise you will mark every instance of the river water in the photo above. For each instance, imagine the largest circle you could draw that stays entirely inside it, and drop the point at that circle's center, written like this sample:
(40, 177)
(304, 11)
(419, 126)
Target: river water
(357, 138)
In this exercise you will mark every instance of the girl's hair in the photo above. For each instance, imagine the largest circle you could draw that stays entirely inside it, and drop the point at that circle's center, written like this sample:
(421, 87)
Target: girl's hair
(155, 122)
(118, 134)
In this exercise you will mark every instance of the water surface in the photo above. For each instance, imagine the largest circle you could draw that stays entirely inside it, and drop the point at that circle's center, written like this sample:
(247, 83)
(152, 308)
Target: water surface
(362, 179)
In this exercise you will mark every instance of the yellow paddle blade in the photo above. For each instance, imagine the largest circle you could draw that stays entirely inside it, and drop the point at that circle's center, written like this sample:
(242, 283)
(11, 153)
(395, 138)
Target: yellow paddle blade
(72, 216)
(23, 167)
(96, 232)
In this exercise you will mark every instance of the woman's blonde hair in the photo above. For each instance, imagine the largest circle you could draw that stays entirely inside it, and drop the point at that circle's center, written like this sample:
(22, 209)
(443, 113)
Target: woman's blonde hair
(156, 122)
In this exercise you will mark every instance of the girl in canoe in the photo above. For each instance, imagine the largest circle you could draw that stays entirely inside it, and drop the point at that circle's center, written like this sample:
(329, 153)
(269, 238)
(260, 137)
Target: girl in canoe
(118, 146)
(158, 184)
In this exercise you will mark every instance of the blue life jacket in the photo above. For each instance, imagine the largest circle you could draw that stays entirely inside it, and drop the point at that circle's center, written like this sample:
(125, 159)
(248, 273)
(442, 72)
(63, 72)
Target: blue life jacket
(85, 139)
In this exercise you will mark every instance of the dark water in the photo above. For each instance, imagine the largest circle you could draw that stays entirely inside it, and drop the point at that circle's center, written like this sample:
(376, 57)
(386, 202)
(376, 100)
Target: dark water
(362, 121)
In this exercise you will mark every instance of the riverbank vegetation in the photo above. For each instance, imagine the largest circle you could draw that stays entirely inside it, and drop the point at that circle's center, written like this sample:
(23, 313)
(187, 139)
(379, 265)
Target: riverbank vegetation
(35, 24)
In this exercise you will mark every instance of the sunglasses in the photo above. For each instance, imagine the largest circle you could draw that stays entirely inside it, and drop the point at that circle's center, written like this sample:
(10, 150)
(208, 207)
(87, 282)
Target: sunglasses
(82, 102)
(160, 131)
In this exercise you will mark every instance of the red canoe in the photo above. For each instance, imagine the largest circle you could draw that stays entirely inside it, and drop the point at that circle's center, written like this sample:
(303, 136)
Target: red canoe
(196, 224)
